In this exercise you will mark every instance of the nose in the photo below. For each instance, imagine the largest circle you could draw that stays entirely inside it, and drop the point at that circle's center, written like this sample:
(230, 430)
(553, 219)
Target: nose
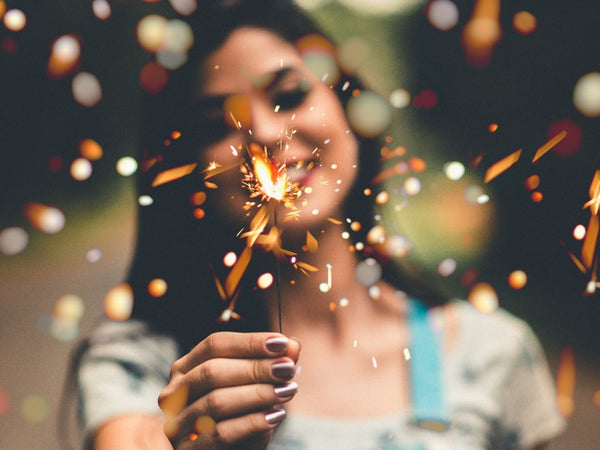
(268, 126)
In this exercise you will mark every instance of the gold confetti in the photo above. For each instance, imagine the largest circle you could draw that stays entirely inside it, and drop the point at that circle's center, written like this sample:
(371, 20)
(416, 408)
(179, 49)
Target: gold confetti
(501, 166)
(549, 145)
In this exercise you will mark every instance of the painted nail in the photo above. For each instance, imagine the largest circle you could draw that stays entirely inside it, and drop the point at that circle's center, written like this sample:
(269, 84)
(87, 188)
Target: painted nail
(283, 370)
(276, 344)
(287, 390)
(275, 416)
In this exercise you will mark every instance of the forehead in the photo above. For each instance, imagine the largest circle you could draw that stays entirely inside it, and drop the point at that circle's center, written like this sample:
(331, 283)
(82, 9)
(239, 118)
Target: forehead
(245, 56)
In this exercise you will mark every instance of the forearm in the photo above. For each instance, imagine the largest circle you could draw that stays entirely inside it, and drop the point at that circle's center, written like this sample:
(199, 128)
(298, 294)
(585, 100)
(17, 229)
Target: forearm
(134, 431)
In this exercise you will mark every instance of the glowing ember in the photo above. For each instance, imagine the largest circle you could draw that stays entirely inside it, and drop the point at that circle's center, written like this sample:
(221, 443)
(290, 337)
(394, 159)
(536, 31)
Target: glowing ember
(64, 56)
(173, 174)
(524, 22)
(594, 202)
(126, 166)
(265, 280)
(517, 279)
(157, 287)
(90, 149)
(483, 296)
(482, 32)
(549, 145)
(501, 166)
(118, 302)
(47, 219)
(565, 382)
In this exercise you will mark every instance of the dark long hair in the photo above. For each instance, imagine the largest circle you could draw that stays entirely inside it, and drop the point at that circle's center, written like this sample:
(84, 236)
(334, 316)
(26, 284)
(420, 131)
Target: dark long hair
(186, 251)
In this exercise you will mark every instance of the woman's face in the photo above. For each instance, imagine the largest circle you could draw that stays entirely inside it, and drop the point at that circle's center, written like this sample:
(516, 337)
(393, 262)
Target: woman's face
(277, 103)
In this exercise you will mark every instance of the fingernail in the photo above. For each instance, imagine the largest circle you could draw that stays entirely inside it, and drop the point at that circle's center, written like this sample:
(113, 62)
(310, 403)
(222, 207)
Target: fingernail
(275, 416)
(283, 370)
(276, 344)
(287, 390)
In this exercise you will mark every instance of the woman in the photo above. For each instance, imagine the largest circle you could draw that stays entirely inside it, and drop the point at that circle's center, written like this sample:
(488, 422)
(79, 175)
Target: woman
(385, 371)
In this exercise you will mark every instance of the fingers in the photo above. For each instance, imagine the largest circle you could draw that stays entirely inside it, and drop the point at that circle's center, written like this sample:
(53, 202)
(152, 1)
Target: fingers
(233, 345)
(222, 405)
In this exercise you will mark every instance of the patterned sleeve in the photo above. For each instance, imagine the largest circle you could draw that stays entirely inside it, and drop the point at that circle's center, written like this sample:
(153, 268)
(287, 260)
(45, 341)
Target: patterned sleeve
(123, 370)
(530, 409)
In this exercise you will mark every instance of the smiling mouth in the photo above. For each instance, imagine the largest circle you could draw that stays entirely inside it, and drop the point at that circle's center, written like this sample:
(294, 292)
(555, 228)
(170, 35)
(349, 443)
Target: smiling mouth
(301, 171)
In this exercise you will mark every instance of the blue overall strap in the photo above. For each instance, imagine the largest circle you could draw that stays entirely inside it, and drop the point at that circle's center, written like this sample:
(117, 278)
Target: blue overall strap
(426, 382)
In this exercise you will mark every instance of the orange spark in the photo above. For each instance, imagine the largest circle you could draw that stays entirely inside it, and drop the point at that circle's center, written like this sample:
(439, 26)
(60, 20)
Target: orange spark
(173, 174)
(565, 382)
(594, 202)
(549, 145)
(482, 32)
(589, 243)
(501, 166)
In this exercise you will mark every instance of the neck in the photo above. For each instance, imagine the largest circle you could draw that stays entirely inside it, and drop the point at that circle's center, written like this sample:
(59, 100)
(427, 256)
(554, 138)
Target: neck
(331, 300)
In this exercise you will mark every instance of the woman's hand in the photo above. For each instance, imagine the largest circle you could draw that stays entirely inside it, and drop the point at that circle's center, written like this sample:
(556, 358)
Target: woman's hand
(227, 390)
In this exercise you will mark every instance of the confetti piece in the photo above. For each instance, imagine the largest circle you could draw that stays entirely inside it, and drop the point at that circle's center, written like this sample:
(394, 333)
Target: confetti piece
(549, 145)
(173, 174)
(589, 243)
(565, 382)
(311, 243)
(501, 166)
(594, 202)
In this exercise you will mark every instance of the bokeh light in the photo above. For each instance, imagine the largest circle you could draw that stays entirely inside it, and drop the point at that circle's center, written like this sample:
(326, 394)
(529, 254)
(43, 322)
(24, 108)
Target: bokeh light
(229, 259)
(369, 114)
(400, 98)
(157, 287)
(443, 14)
(126, 166)
(524, 22)
(265, 280)
(69, 307)
(47, 219)
(145, 200)
(101, 9)
(586, 94)
(204, 424)
(153, 77)
(454, 170)
(90, 149)
(150, 32)
(64, 55)
(368, 272)
(15, 20)
(517, 279)
(579, 232)
(412, 186)
(483, 297)
(352, 53)
(118, 302)
(13, 240)
(93, 255)
(447, 267)
(81, 169)
(571, 143)
(86, 89)
(184, 7)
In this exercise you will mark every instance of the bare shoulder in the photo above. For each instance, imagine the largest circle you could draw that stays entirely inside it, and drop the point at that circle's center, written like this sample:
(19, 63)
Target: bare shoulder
(132, 431)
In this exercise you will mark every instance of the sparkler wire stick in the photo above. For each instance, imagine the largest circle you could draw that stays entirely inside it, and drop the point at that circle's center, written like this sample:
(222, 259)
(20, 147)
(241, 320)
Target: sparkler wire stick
(278, 279)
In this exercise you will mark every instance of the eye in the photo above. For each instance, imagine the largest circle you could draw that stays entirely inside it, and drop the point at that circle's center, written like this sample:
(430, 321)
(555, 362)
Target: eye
(287, 100)
(289, 91)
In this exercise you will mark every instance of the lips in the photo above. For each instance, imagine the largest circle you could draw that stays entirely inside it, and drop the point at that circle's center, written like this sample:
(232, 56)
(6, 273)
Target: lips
(300, 172)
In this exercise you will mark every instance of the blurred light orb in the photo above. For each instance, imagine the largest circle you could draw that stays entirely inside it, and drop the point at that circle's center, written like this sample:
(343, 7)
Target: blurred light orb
(524, 22)
(64, 330)
(69, 307)
(400, 98)
(93, 255)
(150, 32)
(118, 302)
(157, 287)
(229, 259)
(368, 272)
(13, 240)
(66, 48)
(398, 246)
(178, 36)
(86, 89)
(126, 166)
(586, 95)
(35, 408)
(382, 198)
(571, 143)
(81, 169)
(376, 235)
(517, 279)
(443, 14)
(454, 170)
(324, 287)
(47, 219)
(265, 280)
(101, 9)
(483, 297)
(375, 292)
(352, 53)
(204, 425)
(579, 232)
(145, 200)
(412, 186)
(447, 267)
(344, 302)
(184, 7)
(369, 114)
(532, 182)
(323, 66)
(171, 60)
(483, 198)
(15, 20)
(473, 193)
(90, 149)
(153, 77)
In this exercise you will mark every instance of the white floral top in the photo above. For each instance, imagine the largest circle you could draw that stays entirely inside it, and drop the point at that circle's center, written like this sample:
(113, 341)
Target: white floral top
(495, 381)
